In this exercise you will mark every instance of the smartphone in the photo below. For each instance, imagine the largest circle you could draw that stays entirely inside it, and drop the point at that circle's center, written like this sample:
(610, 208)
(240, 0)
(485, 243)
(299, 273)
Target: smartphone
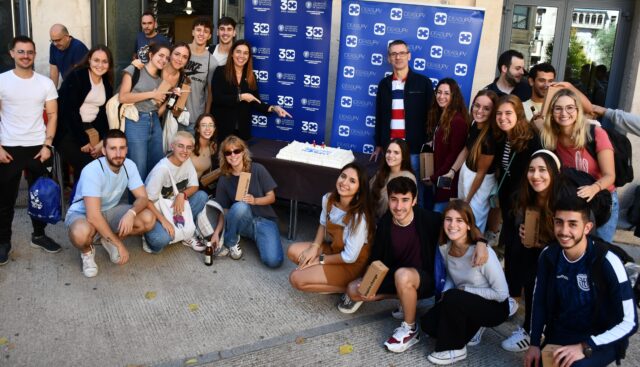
(444, 183)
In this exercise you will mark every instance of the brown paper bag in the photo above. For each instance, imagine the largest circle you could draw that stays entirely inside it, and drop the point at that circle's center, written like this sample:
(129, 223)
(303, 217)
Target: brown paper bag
(426, 165)
(531, 227)
(208, 178)
(547, 354)
(373, 278)
(94, 136)
(243, 185)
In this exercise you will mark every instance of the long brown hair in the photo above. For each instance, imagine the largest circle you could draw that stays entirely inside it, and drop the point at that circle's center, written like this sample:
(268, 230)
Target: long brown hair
(232, 140)
(360, 204)
(529, 198)
(247, 71)
(465, 211)
(212, 140)
(84, 63)
(441, 117)
(522, 132)
(476, 149)
(384, 171)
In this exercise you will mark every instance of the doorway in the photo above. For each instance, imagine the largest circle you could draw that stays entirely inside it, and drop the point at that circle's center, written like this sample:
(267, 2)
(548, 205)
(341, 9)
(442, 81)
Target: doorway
(583, 39)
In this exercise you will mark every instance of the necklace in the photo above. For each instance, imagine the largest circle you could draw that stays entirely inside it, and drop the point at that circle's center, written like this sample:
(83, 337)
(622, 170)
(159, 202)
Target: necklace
(402, 225)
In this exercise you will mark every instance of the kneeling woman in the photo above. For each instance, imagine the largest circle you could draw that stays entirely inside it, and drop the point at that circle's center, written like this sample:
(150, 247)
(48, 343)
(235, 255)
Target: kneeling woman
(347, 218)
(474, 298)
(253, 216)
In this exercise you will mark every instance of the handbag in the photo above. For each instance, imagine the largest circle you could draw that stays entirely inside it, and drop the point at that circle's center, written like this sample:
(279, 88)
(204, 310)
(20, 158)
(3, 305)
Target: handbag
(45, 195)
(494, 200)
(183, 225)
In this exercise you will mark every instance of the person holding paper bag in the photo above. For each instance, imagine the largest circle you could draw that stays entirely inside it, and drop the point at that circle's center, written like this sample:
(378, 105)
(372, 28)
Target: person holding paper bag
(145, 134)
(251, 215)
(474, 297)
(537, 195)
(396, 163)
(348, 220)
(83, 119)
(447, 125)
(406, 243)
(475, 161)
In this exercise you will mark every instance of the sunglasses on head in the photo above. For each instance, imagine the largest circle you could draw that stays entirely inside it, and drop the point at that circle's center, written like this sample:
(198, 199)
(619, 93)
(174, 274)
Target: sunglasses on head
(235, 151)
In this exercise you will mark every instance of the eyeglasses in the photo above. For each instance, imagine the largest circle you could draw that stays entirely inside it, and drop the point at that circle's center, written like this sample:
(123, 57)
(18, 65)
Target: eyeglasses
(398, 54)
(210, 126)
(183, 147)
(57, 40)
(568, 109)
(28, 52)
(227, 153)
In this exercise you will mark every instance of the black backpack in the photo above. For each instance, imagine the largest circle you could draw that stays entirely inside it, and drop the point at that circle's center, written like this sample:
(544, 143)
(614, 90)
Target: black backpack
(621, 154)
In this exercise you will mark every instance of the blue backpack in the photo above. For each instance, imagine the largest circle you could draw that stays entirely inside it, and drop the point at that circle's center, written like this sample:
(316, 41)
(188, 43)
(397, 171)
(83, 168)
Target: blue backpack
(44, 200)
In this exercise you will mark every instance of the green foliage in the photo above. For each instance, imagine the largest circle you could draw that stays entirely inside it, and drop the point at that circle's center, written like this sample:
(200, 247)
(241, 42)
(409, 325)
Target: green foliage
(576, 57)
(605, 41)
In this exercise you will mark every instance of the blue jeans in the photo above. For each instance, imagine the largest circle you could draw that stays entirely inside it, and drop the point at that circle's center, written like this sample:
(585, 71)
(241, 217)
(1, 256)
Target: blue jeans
(440, 207)
(240, 221)
(158, 237)
(415, 166)
(608, 230)
(144, 141)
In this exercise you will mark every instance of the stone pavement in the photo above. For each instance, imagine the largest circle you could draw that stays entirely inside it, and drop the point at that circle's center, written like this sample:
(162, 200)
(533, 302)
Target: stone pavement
(171, 310)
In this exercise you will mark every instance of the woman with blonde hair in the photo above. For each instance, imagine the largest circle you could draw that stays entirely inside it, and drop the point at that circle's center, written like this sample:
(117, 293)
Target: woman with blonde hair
(252, 217)
(567, 132)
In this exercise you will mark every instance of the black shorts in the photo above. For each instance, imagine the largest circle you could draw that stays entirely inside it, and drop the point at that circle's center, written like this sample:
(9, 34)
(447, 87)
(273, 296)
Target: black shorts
(425, 289)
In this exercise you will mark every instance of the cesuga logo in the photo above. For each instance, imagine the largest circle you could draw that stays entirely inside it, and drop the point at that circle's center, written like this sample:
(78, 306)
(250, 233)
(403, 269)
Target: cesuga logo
(351, 41)
(349, 72)
(311, 80)
(287, 54)
(261, 29)
(460, 69)
(346, 102)
(376, 59)
(423, 33)
(354, 10)
(257, 120)
(440, 18)
(289, 5)
(367, 148)
(370, 121)
(372, 90)
(465, 38)
(309, 127)
(314, 32)
(419, 63)
(395, 14)
(261, 75)
(436, 51)
(434, 82)
(379, 29)
(344, 130)
(286, 101)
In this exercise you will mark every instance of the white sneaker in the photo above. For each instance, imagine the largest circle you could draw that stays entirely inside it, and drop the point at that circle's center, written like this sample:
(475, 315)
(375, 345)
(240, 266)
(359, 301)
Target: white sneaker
(477, 338)
(513, 306)
(448, 356)
(111, 249)
(403, 338)
(145, 246)
(222, 251)
(517, 342)
(89, 266)
(235, 252)
(398, 313)
(195, 244)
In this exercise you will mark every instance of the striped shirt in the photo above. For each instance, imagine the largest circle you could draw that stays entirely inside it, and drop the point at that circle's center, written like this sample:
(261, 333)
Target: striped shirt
(397, 108)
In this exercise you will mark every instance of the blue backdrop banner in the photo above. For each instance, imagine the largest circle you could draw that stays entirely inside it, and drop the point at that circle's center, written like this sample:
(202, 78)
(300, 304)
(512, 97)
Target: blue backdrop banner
(290, 42)
(443, 42)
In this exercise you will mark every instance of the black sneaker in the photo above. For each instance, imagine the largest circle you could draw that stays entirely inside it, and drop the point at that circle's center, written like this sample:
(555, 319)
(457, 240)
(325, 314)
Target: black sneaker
(45, 243)
(346, 305)
(5, 250)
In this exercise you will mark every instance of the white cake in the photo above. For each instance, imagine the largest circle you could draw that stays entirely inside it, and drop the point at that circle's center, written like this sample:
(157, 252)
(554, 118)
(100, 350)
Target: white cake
(316, 155)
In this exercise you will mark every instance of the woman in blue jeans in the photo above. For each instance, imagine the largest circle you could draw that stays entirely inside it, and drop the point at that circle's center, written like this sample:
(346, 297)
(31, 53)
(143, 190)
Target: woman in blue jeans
(252, 217)
(141, 87)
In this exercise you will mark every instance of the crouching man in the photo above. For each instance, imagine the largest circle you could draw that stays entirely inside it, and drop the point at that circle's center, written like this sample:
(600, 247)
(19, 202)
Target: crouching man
(582, 299)
(96, 208)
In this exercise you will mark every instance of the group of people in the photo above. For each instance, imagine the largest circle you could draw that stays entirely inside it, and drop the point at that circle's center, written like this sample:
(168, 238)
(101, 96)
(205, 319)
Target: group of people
(433, 238)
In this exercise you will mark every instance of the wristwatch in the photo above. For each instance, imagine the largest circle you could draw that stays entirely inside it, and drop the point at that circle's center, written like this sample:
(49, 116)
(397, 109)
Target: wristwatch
(586, 350)
(321, 259)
